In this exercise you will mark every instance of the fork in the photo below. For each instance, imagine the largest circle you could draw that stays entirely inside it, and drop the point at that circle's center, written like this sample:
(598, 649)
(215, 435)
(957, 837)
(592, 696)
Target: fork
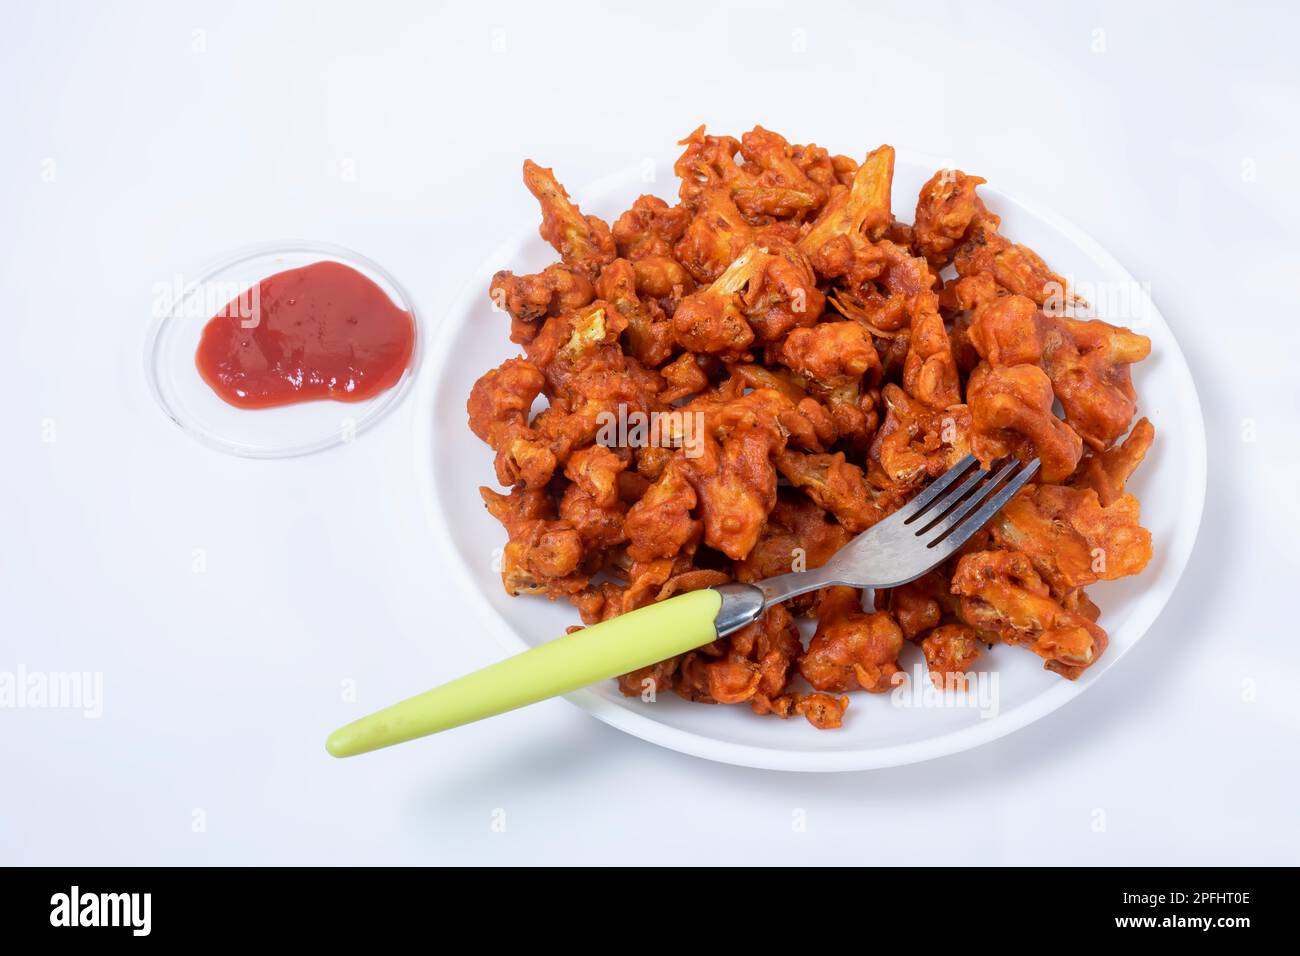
(918, 537)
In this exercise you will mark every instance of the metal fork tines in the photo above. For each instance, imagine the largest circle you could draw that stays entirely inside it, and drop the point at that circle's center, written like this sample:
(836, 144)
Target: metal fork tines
(921, 535)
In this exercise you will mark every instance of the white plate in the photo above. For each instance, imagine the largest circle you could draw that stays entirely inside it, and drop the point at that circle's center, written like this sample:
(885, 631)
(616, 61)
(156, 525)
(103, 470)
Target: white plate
(879, 730)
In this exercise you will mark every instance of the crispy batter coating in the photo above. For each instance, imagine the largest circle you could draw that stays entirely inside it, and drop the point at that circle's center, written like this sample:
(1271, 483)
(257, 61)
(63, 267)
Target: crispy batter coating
(753, 665)
(649, 335)
(1011, 414)
(853, 217)
(930, 370)
(766, 292)
(736, 484)
(837, 362)
(949, 651)
(1089, 365)
(1106, 472)
(758, 430)
(945, 211)
(1003, 596)
(498, 407)
(531, 298)
(712, 320)
(660, 524)
(921, 605)
(1007, 330)
(798, 535)
(1088, 362)
(716, 235)
(841, 487)
(916, 441)
(1071, 538)
(832, 355)
(583, 242)
(774, 179)
(592, 503)
(650, 228)
(543, 555)
(823, 711)
(851, 649)
(1016, 268)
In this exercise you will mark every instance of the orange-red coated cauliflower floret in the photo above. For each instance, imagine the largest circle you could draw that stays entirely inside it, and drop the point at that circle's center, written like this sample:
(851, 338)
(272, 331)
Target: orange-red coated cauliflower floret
(583, 242)
(851, 649)
(1002, 595)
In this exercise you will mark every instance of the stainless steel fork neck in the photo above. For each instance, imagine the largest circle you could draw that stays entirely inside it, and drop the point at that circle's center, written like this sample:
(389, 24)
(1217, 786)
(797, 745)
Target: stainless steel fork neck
(742, 604)
(785, 586)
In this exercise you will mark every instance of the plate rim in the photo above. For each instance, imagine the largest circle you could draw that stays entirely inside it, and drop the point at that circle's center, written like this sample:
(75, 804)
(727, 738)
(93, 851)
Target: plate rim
(637, 724)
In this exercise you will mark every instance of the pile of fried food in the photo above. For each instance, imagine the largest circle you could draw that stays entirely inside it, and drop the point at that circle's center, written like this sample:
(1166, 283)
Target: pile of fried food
(837, 360)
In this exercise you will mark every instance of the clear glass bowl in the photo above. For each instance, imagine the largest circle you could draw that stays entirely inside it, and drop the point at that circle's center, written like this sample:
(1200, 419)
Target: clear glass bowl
(280, 432)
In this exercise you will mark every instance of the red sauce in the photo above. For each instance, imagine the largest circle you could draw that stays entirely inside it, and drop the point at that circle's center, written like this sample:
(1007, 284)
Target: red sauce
(321, 331)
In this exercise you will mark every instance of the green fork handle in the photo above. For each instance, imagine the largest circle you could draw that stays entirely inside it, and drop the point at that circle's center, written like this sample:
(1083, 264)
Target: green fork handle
(595, 653)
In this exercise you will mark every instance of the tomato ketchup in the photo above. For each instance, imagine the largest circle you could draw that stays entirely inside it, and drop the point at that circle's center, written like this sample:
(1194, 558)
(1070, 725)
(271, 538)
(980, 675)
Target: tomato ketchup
(320, 331)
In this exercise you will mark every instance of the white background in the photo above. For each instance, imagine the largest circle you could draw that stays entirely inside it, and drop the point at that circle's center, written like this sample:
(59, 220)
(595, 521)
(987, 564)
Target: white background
(142, 142)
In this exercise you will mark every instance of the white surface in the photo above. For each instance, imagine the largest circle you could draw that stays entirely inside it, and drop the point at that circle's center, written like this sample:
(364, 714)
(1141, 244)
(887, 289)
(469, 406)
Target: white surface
(398, 132)
(878, 732)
